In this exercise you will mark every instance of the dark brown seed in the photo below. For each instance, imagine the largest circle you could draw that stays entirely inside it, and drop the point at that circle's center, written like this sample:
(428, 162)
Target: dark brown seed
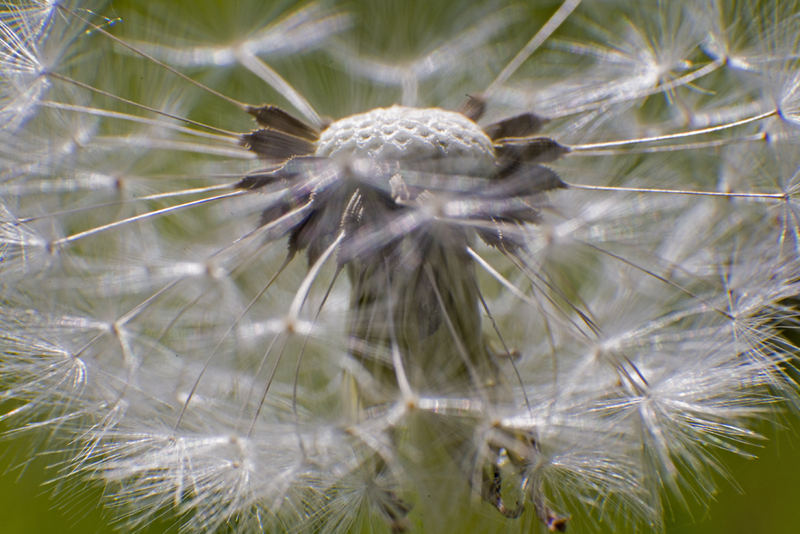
(275, 118)
(518, 126)
(276, 145)
(473, 107)
(536, 150)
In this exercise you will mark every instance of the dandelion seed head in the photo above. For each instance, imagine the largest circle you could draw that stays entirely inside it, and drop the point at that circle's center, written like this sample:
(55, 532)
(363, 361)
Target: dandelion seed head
(516, 325)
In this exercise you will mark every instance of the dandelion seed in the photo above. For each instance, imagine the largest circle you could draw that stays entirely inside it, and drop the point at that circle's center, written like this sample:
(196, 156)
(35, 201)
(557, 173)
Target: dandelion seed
(551, 303)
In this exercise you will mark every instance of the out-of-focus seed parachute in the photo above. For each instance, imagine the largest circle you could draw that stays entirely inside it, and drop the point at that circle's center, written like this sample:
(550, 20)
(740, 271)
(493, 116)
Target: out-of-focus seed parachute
(544, 279)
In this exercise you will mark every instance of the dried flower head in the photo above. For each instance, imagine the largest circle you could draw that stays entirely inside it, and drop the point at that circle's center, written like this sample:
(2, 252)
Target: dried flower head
(550, 302)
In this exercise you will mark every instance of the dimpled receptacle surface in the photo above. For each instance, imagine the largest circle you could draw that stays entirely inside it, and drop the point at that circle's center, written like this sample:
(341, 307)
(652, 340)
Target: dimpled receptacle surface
(409, 134)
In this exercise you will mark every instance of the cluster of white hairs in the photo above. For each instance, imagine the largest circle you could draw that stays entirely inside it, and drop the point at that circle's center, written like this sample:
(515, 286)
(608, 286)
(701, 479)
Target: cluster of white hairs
(537, 268)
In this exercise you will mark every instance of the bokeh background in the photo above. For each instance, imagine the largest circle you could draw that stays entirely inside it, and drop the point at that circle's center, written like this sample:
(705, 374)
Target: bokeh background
(764, 500)
(761, 496)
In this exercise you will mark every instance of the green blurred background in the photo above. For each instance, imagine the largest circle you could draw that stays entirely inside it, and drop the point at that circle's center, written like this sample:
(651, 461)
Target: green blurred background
(766, 500)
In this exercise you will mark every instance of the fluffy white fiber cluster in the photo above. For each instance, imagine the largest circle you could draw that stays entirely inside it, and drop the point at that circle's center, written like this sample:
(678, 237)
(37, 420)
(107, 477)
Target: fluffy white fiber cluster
(553, 304)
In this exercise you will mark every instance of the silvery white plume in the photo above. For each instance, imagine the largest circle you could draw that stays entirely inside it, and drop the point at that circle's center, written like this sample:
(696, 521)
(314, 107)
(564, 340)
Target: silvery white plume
(375, 302)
